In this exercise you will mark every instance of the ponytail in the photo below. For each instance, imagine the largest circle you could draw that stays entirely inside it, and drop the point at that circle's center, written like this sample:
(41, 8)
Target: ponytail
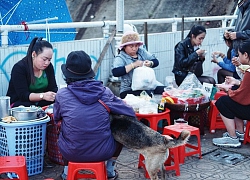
(196, 30)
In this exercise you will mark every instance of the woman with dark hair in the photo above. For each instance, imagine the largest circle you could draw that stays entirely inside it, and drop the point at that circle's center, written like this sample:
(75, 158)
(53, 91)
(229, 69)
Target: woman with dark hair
(85, 134)
(189, 57)
(235, 107)
(227, 67)
(32, 79)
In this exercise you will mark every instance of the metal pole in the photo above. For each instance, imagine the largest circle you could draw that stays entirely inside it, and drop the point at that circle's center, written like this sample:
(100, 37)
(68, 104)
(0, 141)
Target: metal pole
(119, 16)
(4, 38)
(182, 28)
(146, 34)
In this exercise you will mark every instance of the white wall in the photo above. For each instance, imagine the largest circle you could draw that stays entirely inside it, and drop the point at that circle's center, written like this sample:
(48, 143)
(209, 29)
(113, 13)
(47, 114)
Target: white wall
(160, 44)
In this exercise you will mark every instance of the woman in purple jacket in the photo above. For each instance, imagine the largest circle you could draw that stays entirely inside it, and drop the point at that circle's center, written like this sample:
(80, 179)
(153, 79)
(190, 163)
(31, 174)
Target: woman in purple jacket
(85, 130)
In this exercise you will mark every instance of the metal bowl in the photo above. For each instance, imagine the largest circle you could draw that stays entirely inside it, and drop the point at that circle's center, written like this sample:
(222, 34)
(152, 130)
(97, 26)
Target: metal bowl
(24, 113)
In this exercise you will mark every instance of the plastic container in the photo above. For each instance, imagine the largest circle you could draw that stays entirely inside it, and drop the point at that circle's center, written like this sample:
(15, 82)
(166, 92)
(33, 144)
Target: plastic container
(26, 139)
(4, 106)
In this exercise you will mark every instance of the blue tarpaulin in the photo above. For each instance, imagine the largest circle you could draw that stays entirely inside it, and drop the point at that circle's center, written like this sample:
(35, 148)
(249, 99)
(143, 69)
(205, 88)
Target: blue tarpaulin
(16, 12)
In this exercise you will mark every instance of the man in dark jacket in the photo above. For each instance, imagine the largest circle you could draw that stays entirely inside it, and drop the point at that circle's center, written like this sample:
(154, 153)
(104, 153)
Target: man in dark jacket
(85, 129)
(242, 24)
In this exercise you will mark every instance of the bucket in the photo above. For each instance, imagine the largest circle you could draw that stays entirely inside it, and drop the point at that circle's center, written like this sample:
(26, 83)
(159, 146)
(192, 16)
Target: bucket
(4, 106)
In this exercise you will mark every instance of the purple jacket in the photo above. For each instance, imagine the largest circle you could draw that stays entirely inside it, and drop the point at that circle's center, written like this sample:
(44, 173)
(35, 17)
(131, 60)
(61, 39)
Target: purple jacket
(85, 130)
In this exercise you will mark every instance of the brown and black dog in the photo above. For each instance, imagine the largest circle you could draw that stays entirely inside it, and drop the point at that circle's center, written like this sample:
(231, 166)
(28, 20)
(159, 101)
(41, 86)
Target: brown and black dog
(152, 145)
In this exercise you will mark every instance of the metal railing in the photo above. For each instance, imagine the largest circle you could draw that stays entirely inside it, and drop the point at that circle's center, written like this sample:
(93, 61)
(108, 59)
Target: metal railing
(5, 29)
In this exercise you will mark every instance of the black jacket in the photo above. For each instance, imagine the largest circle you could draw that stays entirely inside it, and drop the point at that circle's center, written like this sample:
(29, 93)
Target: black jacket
(242, 25)
(185, 59)
(20, 80)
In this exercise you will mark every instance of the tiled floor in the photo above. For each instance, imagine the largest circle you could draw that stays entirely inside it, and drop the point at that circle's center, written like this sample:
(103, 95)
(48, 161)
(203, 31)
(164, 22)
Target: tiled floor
(207, 168)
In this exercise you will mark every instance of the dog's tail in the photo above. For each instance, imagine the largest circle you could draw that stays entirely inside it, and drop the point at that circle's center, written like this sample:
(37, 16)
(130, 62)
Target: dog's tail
(181, 140)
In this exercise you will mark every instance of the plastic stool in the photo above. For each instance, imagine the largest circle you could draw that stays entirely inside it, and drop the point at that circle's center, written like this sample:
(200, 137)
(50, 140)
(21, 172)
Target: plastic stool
(247, 136)
(215, 119)
(98, 168)
(155, 118)
(214, 114)
(172, 158)
(15, 164)
(175, 130)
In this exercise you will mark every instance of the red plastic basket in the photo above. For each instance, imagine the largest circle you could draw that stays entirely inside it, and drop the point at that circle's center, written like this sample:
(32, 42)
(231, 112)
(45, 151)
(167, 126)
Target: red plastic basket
(52, 138)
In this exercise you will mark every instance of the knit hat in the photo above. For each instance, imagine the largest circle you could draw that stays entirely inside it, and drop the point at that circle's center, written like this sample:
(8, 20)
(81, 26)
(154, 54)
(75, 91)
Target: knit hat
(130, 37)
(78, 66)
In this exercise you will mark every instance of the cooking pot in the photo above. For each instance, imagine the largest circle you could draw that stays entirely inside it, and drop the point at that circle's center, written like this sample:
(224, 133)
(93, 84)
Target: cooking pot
(22, 113)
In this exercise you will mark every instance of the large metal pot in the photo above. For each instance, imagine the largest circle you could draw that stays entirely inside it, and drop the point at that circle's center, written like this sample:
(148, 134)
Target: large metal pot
(24, 113)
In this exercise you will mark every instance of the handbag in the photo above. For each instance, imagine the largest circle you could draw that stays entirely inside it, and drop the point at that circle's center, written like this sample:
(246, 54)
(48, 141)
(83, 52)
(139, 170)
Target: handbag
(144, 79)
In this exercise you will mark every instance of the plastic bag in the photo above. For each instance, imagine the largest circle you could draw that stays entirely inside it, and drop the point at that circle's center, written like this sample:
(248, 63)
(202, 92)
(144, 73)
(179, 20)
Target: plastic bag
(144, 79)
(142, 104)
(191, 91)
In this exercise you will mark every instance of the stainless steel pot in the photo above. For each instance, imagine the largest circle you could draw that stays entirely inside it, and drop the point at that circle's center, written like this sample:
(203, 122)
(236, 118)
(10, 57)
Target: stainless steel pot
(24, 113)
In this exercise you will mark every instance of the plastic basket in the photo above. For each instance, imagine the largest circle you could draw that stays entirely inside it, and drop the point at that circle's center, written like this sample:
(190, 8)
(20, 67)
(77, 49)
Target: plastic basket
(52, 137)
(26, 139)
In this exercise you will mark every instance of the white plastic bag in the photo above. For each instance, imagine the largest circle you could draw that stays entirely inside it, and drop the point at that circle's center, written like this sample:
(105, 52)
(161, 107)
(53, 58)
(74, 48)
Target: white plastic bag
(144, 79)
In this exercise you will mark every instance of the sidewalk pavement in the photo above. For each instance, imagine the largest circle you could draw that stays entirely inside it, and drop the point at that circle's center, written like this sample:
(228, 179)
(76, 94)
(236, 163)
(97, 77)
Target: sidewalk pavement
(216, 163)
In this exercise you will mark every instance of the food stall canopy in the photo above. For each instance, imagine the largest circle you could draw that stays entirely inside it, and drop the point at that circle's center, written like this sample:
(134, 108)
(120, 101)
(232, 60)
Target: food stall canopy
(15, 12)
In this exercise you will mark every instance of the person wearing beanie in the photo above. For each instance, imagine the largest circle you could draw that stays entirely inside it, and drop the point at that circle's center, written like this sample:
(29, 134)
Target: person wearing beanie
(85, 134)
(130, 56)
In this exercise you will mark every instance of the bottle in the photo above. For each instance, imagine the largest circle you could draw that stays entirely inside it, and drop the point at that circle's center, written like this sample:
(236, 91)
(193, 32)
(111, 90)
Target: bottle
(161, 107)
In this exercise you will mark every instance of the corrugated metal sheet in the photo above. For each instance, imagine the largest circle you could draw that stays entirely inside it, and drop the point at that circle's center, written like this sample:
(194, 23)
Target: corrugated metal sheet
(160, 44)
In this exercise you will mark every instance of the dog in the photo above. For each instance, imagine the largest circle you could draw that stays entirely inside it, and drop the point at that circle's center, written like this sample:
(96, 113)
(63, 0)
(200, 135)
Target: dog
(152, 145)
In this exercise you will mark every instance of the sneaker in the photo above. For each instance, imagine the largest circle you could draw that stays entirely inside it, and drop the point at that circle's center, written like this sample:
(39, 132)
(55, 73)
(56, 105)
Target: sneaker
(240, 136)
(226, 141)
(114, 177)
(64, 176)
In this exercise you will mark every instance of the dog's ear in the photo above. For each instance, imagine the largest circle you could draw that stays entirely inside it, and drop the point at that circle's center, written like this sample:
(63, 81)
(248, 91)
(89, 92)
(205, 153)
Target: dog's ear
(167, 138)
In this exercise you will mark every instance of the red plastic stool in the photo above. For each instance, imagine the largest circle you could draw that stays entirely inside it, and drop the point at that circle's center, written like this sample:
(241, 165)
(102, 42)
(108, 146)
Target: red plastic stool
(214, 115)
(175, 130)
(98, 168)
(155, 118)
(14, 164)
(172, 163)
(215, 119)
(247, 136)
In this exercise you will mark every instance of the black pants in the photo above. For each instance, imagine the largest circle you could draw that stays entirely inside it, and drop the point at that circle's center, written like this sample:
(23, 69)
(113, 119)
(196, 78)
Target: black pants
(230, 109)
(221, 75)
(207, 79)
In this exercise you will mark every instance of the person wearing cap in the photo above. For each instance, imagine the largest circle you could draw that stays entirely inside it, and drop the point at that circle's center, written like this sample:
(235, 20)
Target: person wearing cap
(32, 80)
(130, 56)
(85, 134)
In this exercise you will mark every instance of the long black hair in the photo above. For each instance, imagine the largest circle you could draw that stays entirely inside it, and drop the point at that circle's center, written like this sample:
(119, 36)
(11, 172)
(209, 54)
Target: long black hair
(243, 46)
(231, 44)
(196, 30)
(37, 45)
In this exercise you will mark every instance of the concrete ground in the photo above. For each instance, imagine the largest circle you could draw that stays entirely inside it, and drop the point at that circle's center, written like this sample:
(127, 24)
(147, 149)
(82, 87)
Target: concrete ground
(216, 163)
